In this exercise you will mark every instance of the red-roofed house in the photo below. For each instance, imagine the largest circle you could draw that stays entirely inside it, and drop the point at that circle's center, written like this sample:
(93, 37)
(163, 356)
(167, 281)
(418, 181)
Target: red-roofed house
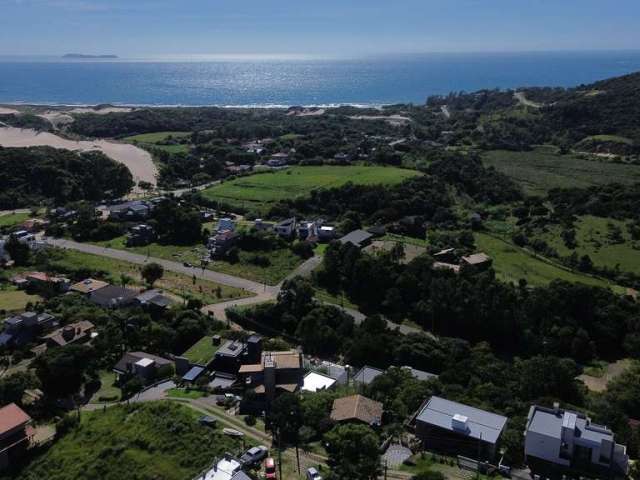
(15, 433)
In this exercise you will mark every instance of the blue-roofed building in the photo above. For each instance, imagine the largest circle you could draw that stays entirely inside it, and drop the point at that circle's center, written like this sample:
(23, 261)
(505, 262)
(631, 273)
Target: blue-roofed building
(564, 441)
(366, 375)
(193, 374)
(455, 428)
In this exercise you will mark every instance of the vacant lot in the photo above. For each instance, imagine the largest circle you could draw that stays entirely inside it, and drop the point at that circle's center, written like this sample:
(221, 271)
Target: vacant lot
(12, 300)
(596, 376)
(594, 236)
(512, 263)
(202, 351)
(155, 139)
(13, 219)
(179, 285)
(266, 188)
(539, 171)
(151, 441)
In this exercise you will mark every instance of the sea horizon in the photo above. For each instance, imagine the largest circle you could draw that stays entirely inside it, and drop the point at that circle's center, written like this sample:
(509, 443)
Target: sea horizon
(242, 81)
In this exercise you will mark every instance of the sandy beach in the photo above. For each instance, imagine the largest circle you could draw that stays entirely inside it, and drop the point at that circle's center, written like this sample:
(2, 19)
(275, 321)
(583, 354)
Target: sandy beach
(138, 161)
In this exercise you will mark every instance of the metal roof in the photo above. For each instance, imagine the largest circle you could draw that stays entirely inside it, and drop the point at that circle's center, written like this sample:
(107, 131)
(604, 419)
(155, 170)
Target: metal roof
(193, 374)
(366, 375)
(356, 237)
(482, 425)
(315, 381)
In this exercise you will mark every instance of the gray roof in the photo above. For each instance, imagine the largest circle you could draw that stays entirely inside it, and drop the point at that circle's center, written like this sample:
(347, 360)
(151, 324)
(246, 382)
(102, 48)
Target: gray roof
(231, 348)
(420, 374)
(366, 375)
(222, 381)
(356, 237)
(549, 422)
(112, 295)
(481, 424)
(240, 475)
(193, 374)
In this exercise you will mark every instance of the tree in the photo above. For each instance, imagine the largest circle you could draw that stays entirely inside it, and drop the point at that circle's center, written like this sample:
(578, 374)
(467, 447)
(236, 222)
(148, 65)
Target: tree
(18, 251)
(152, 272)
(62, 371)
(296, 296)
(353, 452)
(285, 416)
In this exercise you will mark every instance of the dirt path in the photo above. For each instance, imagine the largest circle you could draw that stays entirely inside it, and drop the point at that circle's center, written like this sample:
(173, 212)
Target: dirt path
(522, 99)
(138, 161)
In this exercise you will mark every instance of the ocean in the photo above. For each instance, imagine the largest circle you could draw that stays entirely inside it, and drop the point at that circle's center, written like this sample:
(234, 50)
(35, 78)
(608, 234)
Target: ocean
(285, 82)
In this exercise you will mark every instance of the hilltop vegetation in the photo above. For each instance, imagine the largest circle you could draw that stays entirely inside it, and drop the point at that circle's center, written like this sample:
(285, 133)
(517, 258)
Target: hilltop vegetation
(32, 175)
(142, 441)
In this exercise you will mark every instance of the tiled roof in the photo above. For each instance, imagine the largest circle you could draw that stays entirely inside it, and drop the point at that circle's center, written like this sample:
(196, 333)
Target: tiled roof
(12, 416)
(357, 407)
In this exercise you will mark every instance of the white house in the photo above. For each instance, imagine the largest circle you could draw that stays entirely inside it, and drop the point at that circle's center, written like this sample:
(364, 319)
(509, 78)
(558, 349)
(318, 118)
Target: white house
(563, 438)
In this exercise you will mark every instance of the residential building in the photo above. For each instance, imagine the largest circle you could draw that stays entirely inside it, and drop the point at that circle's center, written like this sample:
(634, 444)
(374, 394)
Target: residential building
(455, 428)
(326, 233)
(337, 372)
(88, 286)
(24, 328)
(358, 238)
(277, 372)
(113, 296)
(447, 255)
(259, 224)
(79, 332)
(358, 409)
(308, 230)
(42, 281)
(233, 353)
(144, 365)
(228, 468)
(420, 374)
(225, 224)
(286, 228)
(314, 382)
(193, 374)
(221, 243)
(34, 225)
(15, 434)
(154, 299)
(278, 159)
(140, 235)
(477, 261)
(366, 375)
(563, 440)
(129, 211)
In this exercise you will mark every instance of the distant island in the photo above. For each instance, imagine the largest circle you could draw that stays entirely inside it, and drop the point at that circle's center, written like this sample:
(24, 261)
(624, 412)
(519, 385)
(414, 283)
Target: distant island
(83, 56)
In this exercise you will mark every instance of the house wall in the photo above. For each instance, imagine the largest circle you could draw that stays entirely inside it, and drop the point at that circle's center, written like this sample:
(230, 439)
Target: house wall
(543, 447)
(441, 440)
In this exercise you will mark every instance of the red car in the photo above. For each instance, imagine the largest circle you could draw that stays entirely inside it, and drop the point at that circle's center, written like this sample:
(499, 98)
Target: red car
(270, 469)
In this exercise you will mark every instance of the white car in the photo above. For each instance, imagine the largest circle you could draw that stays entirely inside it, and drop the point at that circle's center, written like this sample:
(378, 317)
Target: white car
(313, 474)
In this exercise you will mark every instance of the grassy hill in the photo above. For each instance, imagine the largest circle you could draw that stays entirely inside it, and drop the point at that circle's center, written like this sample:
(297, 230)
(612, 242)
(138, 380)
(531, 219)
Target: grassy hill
(154, 441)
(267, 188)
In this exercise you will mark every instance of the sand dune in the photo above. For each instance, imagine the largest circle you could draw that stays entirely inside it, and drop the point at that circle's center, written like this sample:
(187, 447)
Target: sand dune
(138, 161)
(8, 111)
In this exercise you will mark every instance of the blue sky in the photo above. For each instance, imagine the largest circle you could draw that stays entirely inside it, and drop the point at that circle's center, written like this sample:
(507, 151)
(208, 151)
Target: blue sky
(132, 28)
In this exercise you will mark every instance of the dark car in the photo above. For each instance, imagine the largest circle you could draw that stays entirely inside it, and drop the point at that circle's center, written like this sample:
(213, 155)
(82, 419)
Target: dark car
(254, 455)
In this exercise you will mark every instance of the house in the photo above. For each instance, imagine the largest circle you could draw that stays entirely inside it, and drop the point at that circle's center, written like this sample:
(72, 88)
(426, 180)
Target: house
(128, 211)
(420, 374)
(308, 230)
(140, 235)
(88, 286)
(233, 353)
(278, 159)
(477, 261)
(447, 255)
(337, 372)
(286, 228)
(79, 332)
(259, 224)
(225, 224)
(366, 375)
(326, 233)
(24, 237)
(277, 372)
(22, 329)
(221, 243)
(446, 266)
(228, 468)
(193, 374)
(455, 428)
(15, 434)
(358, 238)
(562, 440)
(144, 365)
(356, 408)
(113, 296)
(342, 157)
(154, 299)
(314, 381)
(34, 225)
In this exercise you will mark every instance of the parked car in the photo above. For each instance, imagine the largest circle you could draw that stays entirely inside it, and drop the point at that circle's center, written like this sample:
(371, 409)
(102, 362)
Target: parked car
(313, 474)
(254, 455)
(270, 469)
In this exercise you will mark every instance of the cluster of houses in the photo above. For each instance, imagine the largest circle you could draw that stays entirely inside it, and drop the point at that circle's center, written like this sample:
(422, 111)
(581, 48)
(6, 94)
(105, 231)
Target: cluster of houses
(290, 228)
(447, 259)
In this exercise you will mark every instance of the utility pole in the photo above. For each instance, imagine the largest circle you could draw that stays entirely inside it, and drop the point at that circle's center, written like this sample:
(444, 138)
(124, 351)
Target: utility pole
(279, 453)
(386, 467)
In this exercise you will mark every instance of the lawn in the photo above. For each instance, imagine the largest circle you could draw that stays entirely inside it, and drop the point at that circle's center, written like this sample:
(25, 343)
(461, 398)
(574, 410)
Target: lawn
(592, 237)
(157, 440)
(13, 219)
(153, 140)
(108, 391)
(12, 300)
(540, 170)
(282, 261)
(201, 352)
(188, 394)
(263, 189)
(512, 263)
(174, 283)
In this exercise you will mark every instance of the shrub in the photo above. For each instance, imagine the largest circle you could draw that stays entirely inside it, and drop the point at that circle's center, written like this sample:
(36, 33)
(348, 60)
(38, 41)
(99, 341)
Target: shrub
(250, 420)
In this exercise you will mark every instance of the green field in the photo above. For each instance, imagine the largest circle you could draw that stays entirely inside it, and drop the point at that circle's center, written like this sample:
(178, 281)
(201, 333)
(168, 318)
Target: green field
(540, 170)
(151, 441)
(174, 283)
(201, 352)
(512, 263)
(282, 261)
(262, 189)
(13, 219)
(12, 300)
(592, 237)
(108, 391)
(153, 140)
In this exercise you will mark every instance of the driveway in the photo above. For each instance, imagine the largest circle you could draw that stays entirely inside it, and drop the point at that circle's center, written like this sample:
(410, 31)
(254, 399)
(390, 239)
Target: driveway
(157, 392)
